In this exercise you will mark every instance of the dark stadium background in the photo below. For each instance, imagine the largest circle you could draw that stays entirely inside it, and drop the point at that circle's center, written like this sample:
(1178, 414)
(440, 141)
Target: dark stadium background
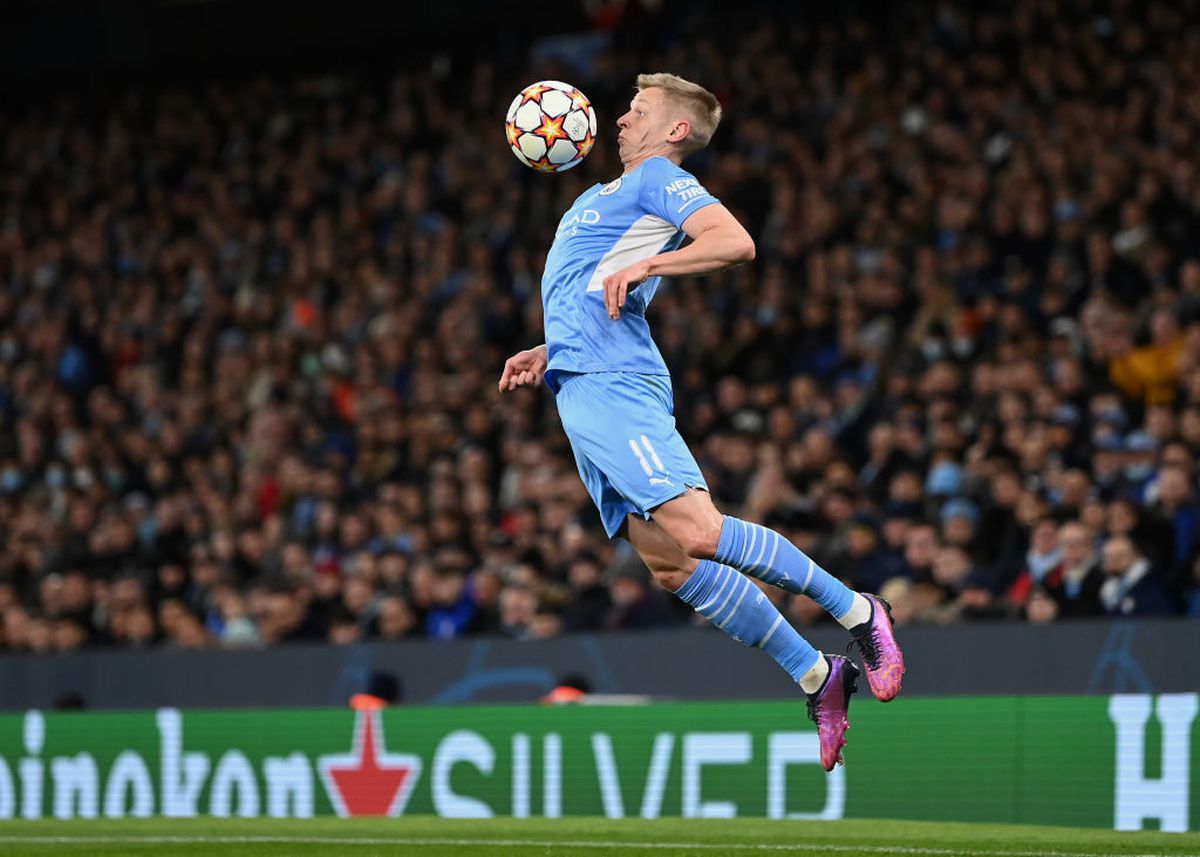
(980, 627)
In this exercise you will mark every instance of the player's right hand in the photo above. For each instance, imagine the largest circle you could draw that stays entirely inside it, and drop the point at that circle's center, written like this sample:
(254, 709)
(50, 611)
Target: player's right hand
(524, 369)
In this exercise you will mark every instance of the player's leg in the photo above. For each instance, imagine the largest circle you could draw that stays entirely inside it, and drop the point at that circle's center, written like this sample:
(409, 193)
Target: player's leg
(668, 564)
(632, 460)
(735, 605)
(731, 601)
(624, 426)
(702, 532)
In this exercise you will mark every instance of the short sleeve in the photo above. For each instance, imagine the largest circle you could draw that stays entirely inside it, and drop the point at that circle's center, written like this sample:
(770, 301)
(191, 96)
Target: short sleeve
(671, 192)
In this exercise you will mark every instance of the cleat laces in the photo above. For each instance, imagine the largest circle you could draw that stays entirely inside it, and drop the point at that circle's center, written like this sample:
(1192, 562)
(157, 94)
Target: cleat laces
(868, 645)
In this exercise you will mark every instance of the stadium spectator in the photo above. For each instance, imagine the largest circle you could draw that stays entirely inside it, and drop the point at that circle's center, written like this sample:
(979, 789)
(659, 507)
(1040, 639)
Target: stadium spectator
(518, 608)
(1044, 570)
(634, 603)
(1040, 607)
(1081, 573)
(1177, 506)
(1132, 587)
(861, 559)
(920, 551)
(453, 612)
(590, 599)
(394, 619)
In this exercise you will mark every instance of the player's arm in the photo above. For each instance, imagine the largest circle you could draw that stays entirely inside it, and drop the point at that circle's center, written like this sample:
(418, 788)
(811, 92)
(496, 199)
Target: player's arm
(524, 369)
(718, 242)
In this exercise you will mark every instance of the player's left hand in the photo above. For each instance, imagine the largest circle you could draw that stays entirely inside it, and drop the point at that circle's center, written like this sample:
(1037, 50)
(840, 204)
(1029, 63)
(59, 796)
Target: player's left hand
(617, 286)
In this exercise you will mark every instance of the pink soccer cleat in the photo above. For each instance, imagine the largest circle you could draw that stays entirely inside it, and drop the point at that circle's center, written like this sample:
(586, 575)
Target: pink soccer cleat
(829, 706)
(881, 654)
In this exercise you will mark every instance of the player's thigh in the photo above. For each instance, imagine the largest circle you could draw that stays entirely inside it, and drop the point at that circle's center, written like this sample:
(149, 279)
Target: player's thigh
(662, 555)
(625, 425)
(692, 521)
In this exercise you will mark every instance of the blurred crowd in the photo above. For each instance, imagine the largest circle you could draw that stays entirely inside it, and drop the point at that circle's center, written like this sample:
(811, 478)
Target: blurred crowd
(250, 334)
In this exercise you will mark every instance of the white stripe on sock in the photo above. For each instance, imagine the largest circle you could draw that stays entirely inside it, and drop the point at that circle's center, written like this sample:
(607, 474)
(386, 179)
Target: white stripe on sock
(770, 561)
(808, 577)
(726, 571)
(746, 553)
(762, 644)
(732, 589)
(761, 550)
(745, 589)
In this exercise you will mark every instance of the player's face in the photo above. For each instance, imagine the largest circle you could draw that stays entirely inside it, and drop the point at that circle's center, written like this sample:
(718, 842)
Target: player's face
(646, 125)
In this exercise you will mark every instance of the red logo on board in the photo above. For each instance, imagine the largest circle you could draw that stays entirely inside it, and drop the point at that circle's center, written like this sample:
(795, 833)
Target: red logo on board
(369, 780)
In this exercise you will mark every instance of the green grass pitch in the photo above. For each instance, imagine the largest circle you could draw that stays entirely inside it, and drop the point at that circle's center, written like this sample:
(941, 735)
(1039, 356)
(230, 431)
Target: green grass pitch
(436, 837)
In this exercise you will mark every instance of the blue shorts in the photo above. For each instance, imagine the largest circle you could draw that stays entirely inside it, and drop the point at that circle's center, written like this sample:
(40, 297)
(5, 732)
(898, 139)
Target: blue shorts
(629, 453)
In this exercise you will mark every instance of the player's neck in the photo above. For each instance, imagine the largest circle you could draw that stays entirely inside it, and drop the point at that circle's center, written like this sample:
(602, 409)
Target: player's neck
(636, 161)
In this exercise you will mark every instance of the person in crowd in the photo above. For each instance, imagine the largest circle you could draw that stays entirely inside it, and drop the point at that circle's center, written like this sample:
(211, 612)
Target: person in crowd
(1132, 587)
(1079, 595)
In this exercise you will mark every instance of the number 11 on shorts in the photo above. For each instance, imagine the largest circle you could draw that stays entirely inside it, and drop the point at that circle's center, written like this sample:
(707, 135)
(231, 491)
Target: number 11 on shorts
(641, 457)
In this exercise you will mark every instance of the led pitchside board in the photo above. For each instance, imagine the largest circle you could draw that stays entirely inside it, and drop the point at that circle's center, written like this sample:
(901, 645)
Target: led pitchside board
(1123, 761)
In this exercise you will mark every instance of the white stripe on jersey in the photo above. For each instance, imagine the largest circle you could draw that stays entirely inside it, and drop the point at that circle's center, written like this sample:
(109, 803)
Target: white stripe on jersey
(645, 237)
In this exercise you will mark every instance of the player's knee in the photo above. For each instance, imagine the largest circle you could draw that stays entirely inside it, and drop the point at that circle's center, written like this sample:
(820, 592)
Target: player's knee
(671, 580)
(701, 543)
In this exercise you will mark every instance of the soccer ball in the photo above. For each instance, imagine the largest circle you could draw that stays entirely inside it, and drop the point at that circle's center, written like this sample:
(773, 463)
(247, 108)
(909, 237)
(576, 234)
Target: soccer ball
(551, 126)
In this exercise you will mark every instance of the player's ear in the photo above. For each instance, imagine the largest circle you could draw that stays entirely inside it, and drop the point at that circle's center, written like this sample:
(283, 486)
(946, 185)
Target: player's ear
(679, 131)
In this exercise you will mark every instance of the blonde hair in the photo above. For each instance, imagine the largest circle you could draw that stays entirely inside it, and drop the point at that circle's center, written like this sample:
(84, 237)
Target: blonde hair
(703, 109)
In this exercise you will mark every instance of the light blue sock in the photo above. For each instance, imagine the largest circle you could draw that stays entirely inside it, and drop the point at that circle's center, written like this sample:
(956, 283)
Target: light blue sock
(765, 554)
(735, 605)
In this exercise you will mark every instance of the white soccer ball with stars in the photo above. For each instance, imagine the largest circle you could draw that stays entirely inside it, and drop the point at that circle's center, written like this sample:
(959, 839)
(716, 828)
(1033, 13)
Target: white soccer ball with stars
(551, 126)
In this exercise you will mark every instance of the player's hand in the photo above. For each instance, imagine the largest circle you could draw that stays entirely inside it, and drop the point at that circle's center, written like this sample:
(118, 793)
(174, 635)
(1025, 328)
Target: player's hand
(618, 286)
(524, 369)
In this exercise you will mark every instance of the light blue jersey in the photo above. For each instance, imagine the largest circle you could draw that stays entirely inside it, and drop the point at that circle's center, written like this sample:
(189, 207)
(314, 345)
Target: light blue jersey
(608, 376)
(610, 227)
